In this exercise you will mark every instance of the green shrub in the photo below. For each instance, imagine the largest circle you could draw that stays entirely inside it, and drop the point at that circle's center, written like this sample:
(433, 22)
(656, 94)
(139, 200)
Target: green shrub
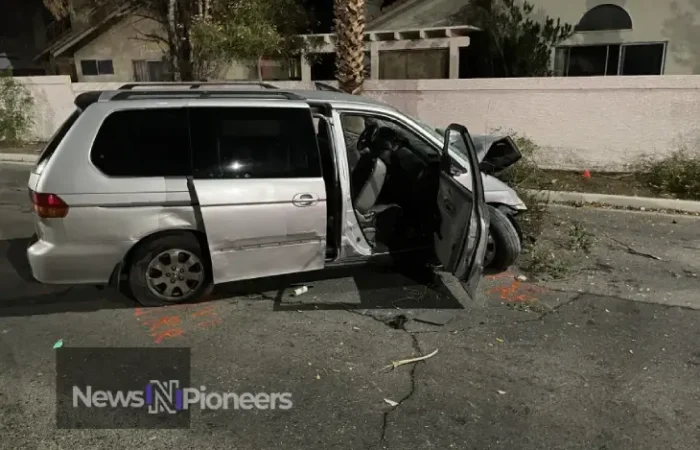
(516, 175)
(16, 110)
(677, 175)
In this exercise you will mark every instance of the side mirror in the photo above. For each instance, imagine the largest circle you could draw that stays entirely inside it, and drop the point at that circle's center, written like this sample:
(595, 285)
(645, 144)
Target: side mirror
(502, 154)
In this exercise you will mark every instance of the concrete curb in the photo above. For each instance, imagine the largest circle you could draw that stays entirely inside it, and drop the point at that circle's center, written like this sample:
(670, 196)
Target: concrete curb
(620, 200)
(19, 158)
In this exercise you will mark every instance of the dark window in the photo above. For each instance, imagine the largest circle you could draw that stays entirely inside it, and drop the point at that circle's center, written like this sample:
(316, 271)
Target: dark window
(605, 17)
(254, 143)
(323, 66)
(151, 71)
(97, 67)
(143, 143)
(642, 59)
(105, 67)
(588, 60)
(89, 67)
(612, 59)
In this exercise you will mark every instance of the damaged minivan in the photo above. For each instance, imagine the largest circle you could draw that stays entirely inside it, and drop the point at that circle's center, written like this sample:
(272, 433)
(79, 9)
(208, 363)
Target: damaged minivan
(168, 189)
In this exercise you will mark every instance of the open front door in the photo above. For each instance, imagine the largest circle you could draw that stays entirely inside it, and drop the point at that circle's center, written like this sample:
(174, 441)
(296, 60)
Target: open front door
(462, 232)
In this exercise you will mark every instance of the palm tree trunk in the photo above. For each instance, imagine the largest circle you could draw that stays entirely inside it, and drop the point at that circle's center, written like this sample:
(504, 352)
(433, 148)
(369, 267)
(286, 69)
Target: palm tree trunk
(172, 37)
(349, 46)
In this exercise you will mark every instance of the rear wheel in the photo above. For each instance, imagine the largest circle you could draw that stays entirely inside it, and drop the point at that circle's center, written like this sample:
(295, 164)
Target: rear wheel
(169, 270)
(503, 246)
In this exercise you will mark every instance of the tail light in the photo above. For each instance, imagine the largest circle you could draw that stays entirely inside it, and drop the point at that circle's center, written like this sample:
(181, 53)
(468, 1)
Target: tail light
(48, 206)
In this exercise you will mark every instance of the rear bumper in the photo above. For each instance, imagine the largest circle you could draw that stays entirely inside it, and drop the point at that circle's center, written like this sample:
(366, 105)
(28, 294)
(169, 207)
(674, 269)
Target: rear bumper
(72, 263)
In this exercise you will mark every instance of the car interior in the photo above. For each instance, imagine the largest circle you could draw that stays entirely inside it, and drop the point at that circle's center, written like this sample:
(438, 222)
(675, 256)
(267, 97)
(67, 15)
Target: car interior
(394, 179)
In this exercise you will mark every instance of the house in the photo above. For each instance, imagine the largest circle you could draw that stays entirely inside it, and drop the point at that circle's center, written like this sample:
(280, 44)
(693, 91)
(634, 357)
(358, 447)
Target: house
(121, 45)
(612, 37)
(409, 39)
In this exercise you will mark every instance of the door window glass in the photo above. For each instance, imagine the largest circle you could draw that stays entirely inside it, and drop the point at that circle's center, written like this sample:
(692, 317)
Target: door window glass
(354, 124)
(143, 143)
(254, 143)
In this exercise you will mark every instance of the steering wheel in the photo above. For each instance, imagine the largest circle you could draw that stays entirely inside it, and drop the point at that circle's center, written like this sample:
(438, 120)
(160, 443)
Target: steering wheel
(365, 138)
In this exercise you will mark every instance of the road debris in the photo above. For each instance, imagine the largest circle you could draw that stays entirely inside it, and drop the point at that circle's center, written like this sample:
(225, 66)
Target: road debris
(398, 322)
(439, 318)
(521, 278)
(499, 340)
(58, 344)
(501, 392)
(632, 251)
(391, 402)
(401, 362)
(301, 290)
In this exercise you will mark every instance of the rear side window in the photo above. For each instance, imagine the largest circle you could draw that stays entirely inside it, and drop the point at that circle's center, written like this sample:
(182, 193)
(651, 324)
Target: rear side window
(55, 140)
(254, 143)
(143, 143)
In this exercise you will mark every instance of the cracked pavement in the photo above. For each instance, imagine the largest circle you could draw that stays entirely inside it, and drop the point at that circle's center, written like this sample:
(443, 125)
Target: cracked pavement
(607, 358)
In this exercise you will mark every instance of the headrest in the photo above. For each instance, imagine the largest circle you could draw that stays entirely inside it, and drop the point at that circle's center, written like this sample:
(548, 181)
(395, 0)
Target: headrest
(384, 139)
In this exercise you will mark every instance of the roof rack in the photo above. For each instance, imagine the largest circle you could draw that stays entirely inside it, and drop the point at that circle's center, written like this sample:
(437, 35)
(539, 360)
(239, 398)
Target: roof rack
(197, 84)
(217, 93)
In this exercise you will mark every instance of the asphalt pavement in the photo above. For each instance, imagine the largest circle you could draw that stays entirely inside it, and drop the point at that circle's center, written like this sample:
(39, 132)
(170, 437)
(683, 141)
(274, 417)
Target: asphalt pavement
(606, 357)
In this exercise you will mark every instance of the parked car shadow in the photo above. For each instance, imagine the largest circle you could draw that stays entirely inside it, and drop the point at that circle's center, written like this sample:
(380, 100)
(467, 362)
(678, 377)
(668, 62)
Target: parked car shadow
(16, 255)
(366, 287)
(362, 287)
(20, 295)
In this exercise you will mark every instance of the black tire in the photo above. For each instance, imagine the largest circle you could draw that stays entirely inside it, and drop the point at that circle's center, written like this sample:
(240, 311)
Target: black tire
(506, 240)
(147, 252)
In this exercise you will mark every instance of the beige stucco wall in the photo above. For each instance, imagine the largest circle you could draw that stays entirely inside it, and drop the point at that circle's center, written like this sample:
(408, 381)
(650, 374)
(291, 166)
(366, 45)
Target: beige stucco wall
(672, 21)
(599, 123)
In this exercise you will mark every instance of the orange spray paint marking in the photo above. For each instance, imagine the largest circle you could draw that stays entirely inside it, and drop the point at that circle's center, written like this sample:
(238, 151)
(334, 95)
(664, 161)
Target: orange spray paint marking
(517, 292)
(165, 321)
(166, 334)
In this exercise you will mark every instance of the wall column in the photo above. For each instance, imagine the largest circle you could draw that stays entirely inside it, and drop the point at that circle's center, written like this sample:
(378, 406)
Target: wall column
(454, 58)
(305, 70)
(374, 60)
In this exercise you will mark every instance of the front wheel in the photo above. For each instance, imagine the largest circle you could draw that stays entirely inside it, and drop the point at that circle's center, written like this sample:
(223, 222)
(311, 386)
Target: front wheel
(503, 246)
(169, 270)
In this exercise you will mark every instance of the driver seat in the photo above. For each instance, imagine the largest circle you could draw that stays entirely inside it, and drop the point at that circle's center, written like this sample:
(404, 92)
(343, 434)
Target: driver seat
(367, 181)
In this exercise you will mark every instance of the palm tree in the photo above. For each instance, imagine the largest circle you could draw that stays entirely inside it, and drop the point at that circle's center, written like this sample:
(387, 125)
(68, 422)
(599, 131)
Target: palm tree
(349, 47)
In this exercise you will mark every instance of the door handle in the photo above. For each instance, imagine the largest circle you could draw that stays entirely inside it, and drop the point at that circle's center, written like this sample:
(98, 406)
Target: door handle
(305, 199)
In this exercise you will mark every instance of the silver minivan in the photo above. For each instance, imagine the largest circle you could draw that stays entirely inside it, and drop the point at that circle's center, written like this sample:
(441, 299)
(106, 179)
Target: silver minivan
(171, 188)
